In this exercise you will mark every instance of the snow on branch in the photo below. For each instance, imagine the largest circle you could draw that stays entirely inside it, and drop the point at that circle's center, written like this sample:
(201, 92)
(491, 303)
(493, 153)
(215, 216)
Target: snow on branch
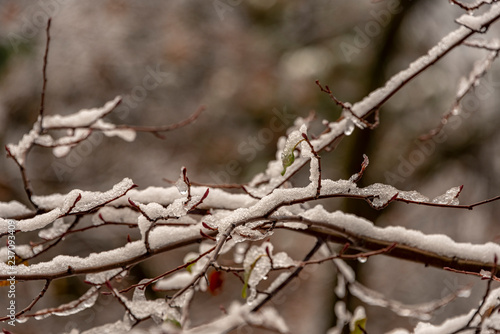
(378, 97)
(79, 126)
(234, 233)
(271, 179)
(76, 202)
(436, 250)
(467, 84)
(473, 6)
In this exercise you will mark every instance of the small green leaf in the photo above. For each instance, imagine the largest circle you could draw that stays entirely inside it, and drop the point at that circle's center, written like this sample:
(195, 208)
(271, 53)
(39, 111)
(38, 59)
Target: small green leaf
(189, 268)
(287, 157)
(287, 161)
(174, 322)
(247, 276)
(245, 287)
(359, 326)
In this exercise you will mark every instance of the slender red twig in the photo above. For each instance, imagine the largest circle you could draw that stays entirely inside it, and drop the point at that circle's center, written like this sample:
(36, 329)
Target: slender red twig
(33, 302)
(44, 72)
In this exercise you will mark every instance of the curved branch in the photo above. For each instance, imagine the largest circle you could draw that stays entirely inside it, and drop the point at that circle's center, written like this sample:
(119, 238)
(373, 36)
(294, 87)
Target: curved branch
(362, 109)
(337, 227)
(401, 250)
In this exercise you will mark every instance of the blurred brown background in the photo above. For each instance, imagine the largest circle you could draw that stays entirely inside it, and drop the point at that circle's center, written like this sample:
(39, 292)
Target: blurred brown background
(253, 64)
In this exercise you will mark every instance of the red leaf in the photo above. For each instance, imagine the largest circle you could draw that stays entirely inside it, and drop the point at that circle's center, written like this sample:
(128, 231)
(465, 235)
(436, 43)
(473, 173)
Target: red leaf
(215, 281)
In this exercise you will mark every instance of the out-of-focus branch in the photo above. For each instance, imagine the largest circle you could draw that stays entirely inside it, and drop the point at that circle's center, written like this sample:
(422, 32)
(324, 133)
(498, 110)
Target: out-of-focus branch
(373, 239)
(33, 302)
(44, 72)
(165, 128)
(374, 101)
(466, 85)
(378, 97)
(473, 6)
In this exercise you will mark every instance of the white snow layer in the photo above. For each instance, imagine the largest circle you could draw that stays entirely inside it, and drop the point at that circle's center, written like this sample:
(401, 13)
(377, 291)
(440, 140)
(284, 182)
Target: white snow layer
(79, 125)
(489, 323)
(71, 203)
(163, 236)
(87, 300)
(179, 279)
(435, 243)
(217, 198)
(272, 177)
(82, 118)
(12, 209)
(258, 265)
(160, 237)
(19, 151)
(238, 315)
(89, 199)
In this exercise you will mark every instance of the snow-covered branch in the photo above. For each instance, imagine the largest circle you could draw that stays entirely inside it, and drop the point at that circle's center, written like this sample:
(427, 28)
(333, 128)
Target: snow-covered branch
(236, 233)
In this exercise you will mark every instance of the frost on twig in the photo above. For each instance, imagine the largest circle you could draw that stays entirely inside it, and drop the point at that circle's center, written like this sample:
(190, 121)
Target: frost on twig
(82, 119)
(75, 202)
(472, 6)
(467, 84)
(288, 155)
(356, 177)
(257, 264)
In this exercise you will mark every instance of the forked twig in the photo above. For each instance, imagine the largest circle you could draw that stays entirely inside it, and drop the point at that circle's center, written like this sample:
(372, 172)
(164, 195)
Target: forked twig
(294, 274)
(44, 73)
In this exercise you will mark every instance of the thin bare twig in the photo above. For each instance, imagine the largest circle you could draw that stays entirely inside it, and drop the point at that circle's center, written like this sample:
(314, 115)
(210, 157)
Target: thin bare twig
(33, 302)
(119, 298)
(347, 107)
(294, 274)
(44, 72)
(59, 239)
(471, 7)
(157, 129)
(203, 197)
(486, 293)
(152, 280)
(495, 278)
(465, 87)
(384, 250)
(26, 182)
(356, 177)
